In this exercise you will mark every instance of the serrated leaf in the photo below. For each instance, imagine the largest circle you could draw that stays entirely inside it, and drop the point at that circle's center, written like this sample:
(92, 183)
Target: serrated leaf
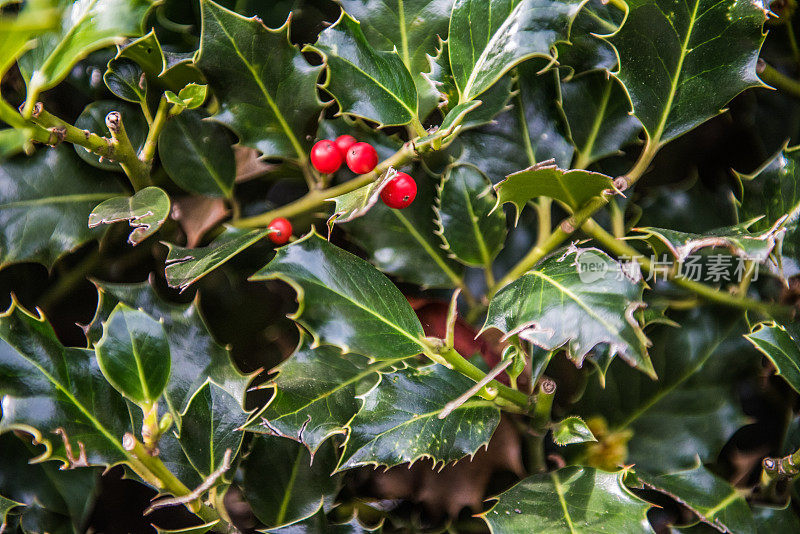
(597, 111)
(6, 505)
(403, 243)
(489, 37)
(365, 82)
(572, 430)
(267, 90)
(571, 500)
(778, 344)
(572, 187)
(93, 119)
(126, 79)
(400, 421)
(672, 53)
(345, 301)
(315, 394)
(134, 354)
(85, 27)
(45, 200)
(319, 524)
(185, 266)
(355, 204)
(197, 155)
(196, 356)
(586, 49)
(145, 211)
(164, 69)
(199, 529)
(712, 498)
(297, 487)
(577, 300)
(471, 230)
(58, 394)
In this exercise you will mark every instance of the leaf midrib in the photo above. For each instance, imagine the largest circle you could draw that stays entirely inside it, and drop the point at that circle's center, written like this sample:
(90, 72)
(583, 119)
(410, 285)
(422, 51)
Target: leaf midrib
(427, 247)
(65, 199)
(560, 493)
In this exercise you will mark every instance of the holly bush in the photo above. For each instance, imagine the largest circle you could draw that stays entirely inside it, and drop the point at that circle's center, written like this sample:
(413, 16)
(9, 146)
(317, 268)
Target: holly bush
(399, 266)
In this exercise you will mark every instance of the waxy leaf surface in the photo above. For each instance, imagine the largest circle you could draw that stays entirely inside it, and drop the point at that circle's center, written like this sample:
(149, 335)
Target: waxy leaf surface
(145, 211)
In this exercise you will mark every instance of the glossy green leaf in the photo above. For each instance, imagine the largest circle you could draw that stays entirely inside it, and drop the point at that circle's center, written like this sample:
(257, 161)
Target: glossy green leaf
(576, 300)
(572, 430)
(12, 142)
(15, 38)
(572, 500)
(572, 187)
(400, 420)
(319, 524)
(93, 119)
(197, 155)
(345, 301)
(134, 354)
(355, 204)
(586, 49)
(85, 27)
(283, 485)
(778, 344)
(472, 231)
(6, 506)
(58, 394)
(366, 82)
(45, 201)
(199, 529)
(165, 69)
(145, 211)
(769, 520)
(315, 394)
(267, 90)
(126, 79)
(190, 97)
(712, 498)
(185, 266)
(489, 37)
(681, 62)
(598, 114)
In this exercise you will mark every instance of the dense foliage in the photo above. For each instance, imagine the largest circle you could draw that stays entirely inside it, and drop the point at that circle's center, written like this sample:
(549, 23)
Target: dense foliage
(399, 266)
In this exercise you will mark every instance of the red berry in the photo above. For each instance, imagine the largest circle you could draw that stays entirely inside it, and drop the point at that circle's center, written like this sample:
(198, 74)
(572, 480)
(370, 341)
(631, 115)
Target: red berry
(362, 158)
(325, 157)
(283, 231)
(400, 192)
(344, 142)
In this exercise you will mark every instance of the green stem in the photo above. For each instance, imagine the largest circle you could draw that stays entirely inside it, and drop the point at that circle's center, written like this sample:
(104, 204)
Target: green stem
(137, 172)
(541, 420)
(149, 149)
(780, 81)
(544, 212)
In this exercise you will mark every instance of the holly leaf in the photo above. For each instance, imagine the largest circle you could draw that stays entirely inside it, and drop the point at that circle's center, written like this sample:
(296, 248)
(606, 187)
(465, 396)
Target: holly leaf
(45, 200)
(126, 79)
(58, 395)
(777, 343)
(84, 27)
(18, 30)
(578, 300)
(319, 524)
(190, 97)
(572, 187)
(401, 420)
(355, 204)
(185, 266)
(171, 71)
(93, 119)
(671, 54)
(197, 155)
(145, 211)
(572, 430)
(199, 529)
(487, 38)
(571, 500)
(769, 519)
(267, 90)
(712, 498)
(353, 293)
(365, 82)
(586, 49)
(297, 488)
(597, 111)
(472, 231)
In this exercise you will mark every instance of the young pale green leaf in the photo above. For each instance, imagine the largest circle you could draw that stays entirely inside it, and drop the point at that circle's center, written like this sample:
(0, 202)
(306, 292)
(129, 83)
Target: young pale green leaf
(34, 18)
(681, 62)
(93, 119)
(126, 79)
(58, 394)
(712, 498)
(355, 204)
(489, 37)
(45, 201)
(85, 27)
(472, 231)
(345, 301)
(578, 300)
(145, 211)
(267, 90)
(403, 243)
(134, 354)
(283, 485)
(572, 430)
(400, 420)
(210, 427)
(170, 71)
(197, 154)
(572, 500)
(12, 142)
(196, 357)
(366, 82)
(193, 95)
(572, 187)
(315, 394)
(414, 27)
(597, 112)
(185, 266)
(778, 344)
(586, 50)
